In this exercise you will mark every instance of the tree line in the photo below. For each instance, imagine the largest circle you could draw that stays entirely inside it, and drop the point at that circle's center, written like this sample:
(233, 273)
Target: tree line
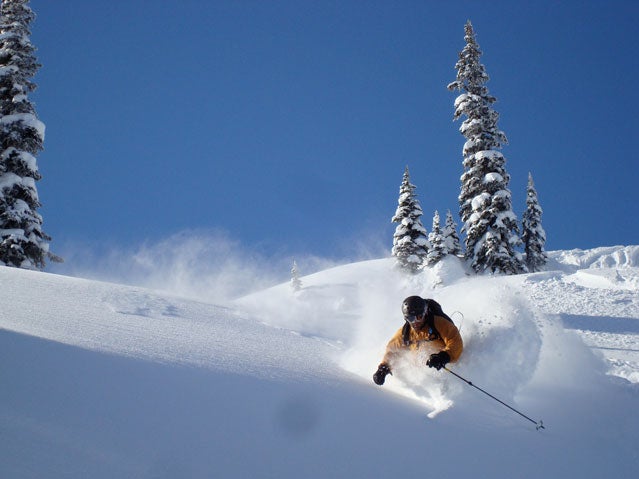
(491, 231)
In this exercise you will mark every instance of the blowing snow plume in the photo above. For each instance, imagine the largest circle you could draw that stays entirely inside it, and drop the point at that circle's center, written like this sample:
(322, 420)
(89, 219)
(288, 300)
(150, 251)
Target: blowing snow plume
(204, 265)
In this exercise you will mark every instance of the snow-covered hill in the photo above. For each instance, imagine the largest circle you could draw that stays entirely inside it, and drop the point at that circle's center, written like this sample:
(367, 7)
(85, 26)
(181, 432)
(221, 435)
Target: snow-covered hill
(102, 380)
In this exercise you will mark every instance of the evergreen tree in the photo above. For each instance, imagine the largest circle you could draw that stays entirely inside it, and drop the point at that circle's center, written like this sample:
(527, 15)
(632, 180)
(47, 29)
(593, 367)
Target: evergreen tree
(296, 282)
(485, 200)
(437, 243)
(451, 238)
(410, 241)
(534, 236)
(22, 241)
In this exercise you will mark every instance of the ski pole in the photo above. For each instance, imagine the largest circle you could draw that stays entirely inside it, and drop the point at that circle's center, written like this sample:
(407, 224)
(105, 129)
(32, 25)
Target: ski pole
(538, 424)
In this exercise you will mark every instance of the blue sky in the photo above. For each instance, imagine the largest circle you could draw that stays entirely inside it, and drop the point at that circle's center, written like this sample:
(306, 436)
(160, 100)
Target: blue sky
(285, 126)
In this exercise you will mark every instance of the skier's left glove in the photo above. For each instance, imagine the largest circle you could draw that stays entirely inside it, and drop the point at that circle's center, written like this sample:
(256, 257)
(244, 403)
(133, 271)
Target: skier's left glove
(438, 360)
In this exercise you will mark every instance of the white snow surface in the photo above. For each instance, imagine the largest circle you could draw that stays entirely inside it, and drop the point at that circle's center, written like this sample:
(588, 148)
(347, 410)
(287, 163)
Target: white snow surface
(101, 380)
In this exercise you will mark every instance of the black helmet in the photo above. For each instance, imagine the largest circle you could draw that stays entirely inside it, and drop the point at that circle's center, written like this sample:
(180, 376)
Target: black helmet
(413, 306)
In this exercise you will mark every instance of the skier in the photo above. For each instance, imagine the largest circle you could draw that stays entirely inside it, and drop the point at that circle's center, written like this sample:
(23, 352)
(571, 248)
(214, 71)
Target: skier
(426, 326)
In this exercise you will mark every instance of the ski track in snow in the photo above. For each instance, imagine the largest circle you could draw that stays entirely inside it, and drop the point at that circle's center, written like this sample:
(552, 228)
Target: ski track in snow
(601, 306)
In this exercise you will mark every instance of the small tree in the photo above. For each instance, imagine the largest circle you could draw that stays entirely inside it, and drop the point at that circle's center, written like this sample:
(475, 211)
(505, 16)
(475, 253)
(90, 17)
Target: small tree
(410, 241)
(451, 238)
(437, 243)
(485, 200)
(296, 282)
(534, 236)
(22, 241)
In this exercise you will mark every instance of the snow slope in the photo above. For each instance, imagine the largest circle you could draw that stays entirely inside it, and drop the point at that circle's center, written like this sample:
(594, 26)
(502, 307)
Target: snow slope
(102, 380)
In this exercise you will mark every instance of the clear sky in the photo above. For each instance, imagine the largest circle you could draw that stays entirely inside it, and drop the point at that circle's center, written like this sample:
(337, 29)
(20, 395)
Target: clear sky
(286, 125)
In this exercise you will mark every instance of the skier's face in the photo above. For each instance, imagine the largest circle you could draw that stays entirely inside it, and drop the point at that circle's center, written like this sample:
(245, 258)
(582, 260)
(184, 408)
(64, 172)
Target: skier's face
(416, 322)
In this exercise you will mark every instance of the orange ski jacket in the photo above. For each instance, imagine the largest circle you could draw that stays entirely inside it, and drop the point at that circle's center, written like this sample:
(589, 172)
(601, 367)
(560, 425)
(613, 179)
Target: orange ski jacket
(449, 340)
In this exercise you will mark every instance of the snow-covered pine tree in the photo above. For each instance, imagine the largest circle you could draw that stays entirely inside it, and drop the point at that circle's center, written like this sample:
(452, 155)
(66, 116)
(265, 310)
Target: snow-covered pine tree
(296, 282)
(485, 200)
(410, 241)
(451, 238)
(437, 242)
(533, 236)
(22, 241)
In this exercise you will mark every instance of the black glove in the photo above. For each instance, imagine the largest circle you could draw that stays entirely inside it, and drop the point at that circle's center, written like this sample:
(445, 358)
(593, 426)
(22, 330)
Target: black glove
(380, 376)
(438, 360)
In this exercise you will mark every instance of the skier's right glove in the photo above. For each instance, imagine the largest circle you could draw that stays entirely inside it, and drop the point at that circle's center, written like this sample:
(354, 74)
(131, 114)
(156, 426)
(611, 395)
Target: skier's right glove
(380, 376)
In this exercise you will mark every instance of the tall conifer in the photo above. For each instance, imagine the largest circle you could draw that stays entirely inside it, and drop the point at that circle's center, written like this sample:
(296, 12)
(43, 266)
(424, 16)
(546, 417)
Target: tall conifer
(485, 200)
(22, 241)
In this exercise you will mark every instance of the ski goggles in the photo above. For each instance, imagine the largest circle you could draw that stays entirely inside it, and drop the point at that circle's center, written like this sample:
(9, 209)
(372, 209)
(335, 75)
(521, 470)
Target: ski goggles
(413, 318)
